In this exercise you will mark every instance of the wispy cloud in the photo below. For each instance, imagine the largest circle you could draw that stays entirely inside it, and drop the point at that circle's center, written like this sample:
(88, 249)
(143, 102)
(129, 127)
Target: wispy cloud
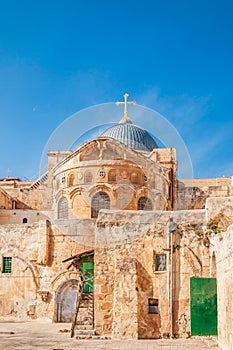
(181, 110)
(210, 151)
(204, 137)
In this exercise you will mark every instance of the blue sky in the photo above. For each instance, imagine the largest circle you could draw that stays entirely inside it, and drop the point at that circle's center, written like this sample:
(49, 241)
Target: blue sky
(58, 57)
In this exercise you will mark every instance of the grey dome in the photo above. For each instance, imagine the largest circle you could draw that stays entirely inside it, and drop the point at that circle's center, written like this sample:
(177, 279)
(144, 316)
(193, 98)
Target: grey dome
(131, 135)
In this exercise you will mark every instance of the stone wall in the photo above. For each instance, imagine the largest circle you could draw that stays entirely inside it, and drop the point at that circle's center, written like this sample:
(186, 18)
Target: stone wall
(28, 246)
(27, 197)
(37, 250)
(220, 205)
(125, 290)
(5, 200)
(202, 182)
(193, 193)
(18, 216)
(222, 255)
(126, 238)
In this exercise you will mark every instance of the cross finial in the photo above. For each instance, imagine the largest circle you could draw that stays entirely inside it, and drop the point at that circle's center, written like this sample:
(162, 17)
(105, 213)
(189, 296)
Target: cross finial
(126, 118)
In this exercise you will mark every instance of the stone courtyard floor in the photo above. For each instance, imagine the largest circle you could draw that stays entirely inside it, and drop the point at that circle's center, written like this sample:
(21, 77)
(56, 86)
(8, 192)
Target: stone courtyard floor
(48, 336)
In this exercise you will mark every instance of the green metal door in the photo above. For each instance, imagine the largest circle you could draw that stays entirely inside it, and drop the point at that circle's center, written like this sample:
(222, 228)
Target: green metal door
(87, 268)
(203, 306)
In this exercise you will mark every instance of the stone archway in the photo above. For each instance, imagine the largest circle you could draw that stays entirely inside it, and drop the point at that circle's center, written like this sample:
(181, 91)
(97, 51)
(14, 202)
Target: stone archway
(66, 300)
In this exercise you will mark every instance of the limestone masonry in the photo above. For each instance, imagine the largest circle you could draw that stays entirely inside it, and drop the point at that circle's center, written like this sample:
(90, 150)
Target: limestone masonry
(152, 253)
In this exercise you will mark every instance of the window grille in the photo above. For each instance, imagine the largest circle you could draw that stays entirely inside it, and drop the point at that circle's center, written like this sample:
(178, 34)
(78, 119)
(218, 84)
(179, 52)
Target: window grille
(62, 208)
(144, 203)
(102, 173)
(7, 264)
(99, 201)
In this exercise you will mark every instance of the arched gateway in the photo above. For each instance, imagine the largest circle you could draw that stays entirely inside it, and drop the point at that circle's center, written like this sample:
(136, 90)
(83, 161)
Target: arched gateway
(66, 300)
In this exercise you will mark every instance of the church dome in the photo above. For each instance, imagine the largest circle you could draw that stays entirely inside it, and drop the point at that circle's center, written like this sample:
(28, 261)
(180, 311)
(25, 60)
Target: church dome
(131, 135)
(125, 131)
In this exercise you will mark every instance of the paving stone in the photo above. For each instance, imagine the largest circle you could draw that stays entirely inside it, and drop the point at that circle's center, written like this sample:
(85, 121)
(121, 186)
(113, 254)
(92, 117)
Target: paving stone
(46, 336)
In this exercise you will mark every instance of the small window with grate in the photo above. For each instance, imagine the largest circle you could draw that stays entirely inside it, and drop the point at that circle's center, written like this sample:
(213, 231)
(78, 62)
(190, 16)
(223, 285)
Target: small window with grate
(63, 179)
(102, 173)
(153, 306)
(99, 201)
(7, 264)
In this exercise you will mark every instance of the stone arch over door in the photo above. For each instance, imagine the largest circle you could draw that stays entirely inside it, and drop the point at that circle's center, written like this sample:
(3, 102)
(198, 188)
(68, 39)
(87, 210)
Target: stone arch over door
(66, 301)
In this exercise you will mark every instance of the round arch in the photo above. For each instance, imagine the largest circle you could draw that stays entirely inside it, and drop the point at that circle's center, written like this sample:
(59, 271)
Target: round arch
(71, 180)
(66, 300)
(100, 200)
(144, 203)
(62, 208)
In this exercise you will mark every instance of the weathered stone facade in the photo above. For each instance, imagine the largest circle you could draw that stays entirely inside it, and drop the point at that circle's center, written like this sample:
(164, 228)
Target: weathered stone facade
(37, 250)
(222, 262)
(128, 243)
(150, 234)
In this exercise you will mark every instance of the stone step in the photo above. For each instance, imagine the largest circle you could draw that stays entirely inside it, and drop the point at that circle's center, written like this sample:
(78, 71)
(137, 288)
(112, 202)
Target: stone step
(87, 296)
(94, 337)
(84, 323)
(86, 332)
(85, 311)
(85, 305)
(84, 327)
(85, 317)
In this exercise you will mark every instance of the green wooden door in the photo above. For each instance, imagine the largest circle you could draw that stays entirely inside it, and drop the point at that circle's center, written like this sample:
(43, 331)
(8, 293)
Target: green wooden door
(87, 268)
(203, 306)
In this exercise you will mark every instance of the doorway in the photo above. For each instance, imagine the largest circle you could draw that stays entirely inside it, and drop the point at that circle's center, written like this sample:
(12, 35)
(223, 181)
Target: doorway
(66, 301)
(203, 306)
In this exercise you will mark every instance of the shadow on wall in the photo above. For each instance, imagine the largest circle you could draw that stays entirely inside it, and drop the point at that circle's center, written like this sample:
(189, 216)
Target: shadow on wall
(149, 321)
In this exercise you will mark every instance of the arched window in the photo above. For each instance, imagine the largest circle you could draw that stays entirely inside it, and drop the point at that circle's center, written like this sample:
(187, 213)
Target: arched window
(25, 220)
(88, 177)
(112, 175)
(134, 178)
(144, 203)
(62, 208)
(71, 180)
(99, 201)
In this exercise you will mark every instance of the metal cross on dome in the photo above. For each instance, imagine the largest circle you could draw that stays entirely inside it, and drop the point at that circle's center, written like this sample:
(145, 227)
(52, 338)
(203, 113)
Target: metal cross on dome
(126, 103)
